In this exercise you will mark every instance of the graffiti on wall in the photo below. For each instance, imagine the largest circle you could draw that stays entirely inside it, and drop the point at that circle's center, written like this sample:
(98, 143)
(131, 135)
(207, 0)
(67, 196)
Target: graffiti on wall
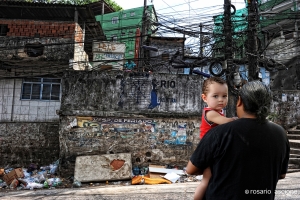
(153, 132)
(136, 90)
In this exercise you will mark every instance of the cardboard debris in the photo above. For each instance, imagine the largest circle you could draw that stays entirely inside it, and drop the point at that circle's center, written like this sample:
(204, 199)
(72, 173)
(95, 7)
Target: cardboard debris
(154, 174)
(157, 171)
(14, 174)
(172, 177)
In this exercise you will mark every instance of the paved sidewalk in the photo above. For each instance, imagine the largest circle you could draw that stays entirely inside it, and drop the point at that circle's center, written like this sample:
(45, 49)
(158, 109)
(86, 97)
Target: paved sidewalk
(288, 189)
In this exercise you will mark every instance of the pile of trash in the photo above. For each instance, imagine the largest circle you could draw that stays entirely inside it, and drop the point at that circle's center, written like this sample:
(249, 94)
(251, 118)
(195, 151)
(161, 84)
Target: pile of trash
(45, 177)
(30, 178)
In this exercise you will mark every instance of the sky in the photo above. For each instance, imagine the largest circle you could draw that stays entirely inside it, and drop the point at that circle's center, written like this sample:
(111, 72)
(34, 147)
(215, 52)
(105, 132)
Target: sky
(164, 6)
(186, 14)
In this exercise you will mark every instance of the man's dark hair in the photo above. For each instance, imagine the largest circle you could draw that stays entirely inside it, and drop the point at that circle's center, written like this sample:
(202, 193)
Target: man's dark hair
(256, 97)
(209, 81)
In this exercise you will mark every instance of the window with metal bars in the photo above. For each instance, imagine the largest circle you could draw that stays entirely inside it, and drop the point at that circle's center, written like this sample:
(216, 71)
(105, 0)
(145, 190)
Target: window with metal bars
(41, 89)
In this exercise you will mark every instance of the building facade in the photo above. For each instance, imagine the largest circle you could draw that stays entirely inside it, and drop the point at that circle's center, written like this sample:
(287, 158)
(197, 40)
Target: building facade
(39, 42)
(122, 26)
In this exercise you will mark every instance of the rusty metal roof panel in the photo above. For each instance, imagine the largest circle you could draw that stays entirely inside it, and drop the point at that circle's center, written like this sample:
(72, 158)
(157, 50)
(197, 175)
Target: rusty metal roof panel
(17, 9)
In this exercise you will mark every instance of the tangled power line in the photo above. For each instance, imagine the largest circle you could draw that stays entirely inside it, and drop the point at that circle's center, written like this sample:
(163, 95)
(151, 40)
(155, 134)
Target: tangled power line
(185, 23)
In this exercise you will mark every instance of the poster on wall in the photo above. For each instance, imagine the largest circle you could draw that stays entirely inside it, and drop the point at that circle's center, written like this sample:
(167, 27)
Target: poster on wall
(108, 55)
(178, 135)
(129, 127)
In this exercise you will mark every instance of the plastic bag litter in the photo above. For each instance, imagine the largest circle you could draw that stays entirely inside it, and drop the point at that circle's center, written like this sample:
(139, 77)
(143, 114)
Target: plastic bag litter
(54, 182)
(54, 166)
(26, 174)
(8, 170)
(53, 169)
(45, 168)
(32, 167)
(76, 183)
(14, 184)
(3, 185)
(199, 177)
(31, 186)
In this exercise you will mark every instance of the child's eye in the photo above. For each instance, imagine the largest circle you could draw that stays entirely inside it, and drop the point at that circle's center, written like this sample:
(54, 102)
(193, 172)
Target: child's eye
(215, 96)
(225, 96)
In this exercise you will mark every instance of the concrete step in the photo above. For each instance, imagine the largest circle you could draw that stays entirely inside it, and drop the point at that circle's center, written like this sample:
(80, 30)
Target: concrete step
(295, 161)
(295, 144)
(294, 131)
(293, 136)
(294, 155)
(294, 151)
(293, 170)
(292, 166)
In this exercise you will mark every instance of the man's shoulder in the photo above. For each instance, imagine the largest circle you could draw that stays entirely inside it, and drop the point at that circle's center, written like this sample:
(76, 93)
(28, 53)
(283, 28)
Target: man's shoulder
(218, 131)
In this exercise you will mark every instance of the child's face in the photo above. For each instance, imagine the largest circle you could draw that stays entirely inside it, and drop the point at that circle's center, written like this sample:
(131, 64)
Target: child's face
(217, 96)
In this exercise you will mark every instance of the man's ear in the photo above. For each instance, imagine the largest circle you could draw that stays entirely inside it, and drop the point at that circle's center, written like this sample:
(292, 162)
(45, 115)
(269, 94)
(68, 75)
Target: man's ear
(239, 102)
(204, 97)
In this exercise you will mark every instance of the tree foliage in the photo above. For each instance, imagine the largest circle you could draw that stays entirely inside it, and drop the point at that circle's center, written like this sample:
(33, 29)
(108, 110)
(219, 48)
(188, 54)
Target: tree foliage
(111, 3)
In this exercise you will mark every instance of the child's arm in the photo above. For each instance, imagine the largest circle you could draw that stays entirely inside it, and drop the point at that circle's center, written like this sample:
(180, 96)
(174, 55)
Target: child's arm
(215, 117)
(192, 169)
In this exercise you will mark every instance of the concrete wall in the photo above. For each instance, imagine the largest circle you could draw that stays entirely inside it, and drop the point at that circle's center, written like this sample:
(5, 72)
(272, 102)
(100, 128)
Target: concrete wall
(25, 143)
(155, 117)
(285, 49)
(286, 108)
(59, 50)
(149, 140)
(13, 109)
(93, 92)
(80, 61)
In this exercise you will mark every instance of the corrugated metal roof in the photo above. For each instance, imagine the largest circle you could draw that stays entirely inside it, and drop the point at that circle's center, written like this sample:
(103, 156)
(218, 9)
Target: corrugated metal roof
(17, 9)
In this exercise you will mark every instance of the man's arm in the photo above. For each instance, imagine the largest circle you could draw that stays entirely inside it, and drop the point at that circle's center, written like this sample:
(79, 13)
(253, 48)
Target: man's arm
(192, 169)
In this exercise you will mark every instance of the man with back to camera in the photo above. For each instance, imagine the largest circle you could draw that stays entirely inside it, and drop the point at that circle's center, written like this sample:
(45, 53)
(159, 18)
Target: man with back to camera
(246, 156)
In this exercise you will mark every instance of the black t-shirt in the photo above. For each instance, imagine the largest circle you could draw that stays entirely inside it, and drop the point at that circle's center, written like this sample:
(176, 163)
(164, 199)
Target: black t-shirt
(246, 159)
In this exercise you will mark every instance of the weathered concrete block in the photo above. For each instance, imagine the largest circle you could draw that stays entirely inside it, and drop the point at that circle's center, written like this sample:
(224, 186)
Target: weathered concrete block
(103, 167)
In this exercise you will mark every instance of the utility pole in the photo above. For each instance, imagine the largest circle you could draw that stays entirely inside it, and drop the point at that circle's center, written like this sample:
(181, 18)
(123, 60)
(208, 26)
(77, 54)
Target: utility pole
(252, 40)
(228, 54)
(201, 41)
(142, 54)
